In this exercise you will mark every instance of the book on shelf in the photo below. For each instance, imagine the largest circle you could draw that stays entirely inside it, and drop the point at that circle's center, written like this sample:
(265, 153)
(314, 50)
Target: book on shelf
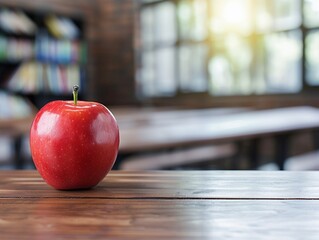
(60, 51)
(44, 49)
(14, 49)
(41, 53)
(15, 21)
(35, 77)
(61, 27)
(14, 107)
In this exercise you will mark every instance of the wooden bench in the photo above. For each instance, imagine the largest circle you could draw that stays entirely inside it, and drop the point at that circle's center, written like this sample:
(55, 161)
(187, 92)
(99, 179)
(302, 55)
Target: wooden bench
(280, 124)
(307, 161)
(16, 116)
(179, 158)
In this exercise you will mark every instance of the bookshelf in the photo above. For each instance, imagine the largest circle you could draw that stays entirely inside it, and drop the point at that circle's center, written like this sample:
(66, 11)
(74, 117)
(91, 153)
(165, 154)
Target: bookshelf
(42, 55)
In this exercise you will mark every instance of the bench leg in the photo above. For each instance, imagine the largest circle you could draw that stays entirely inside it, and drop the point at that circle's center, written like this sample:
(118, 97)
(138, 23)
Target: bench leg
(234, 164)
(119, 159)
(281, 150)
(17, 148)
(316, 139)
(254, 153)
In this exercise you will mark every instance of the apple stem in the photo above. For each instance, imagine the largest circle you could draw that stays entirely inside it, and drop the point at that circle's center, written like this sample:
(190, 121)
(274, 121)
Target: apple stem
(75, 94)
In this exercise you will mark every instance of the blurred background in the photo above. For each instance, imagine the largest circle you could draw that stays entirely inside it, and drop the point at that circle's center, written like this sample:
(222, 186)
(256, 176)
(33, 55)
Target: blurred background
(153, 57)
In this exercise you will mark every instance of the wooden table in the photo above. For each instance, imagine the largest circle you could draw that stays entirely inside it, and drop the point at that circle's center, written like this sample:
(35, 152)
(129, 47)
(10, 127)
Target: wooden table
(16, 129)
(16, 116)
(212, 129)
(164, 205)
(140, 119)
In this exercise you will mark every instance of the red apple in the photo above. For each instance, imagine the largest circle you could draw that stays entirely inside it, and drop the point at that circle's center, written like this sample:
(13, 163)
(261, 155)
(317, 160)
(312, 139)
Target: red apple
(74, 144)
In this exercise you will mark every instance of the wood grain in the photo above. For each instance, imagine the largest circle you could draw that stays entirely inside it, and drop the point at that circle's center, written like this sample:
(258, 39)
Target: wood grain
(210, 129)
(158, 219)
(163, 205)
(179, 158)
(173, 185)
(137, 117)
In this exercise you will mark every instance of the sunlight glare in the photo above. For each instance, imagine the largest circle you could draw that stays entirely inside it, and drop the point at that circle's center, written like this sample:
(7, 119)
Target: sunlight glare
(231, 16)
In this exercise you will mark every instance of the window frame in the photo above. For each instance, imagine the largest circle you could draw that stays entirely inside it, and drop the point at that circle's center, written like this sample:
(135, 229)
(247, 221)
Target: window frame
(180, 96)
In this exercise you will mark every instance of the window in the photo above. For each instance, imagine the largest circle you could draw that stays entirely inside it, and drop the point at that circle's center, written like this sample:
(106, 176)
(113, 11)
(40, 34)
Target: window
(228, 47)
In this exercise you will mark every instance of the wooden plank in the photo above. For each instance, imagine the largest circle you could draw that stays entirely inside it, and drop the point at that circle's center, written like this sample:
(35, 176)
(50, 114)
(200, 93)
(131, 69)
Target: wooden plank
(178, 158)
(136, 117)
(157, 219)
(223, 128)
(173, 185)
(306, 161)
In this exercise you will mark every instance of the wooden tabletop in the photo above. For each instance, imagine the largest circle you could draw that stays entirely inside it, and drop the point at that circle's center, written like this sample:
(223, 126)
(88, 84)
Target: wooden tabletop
(164, 205)
(207, 128)
(139, 117)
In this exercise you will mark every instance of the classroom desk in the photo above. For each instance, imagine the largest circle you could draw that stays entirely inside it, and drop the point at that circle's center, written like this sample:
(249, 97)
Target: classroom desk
(16, 129)
(212, 129)
(164, 205)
